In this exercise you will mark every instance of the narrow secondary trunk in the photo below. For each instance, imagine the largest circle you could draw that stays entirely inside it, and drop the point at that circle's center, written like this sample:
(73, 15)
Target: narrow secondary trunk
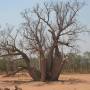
(35, 74)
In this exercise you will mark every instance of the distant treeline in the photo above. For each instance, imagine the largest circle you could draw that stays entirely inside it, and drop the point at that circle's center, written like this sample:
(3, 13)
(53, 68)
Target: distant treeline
(76, 63)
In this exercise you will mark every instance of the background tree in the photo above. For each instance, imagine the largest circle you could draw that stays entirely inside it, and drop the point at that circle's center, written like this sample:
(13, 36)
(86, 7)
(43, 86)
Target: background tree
(78, 63)
(42, 34)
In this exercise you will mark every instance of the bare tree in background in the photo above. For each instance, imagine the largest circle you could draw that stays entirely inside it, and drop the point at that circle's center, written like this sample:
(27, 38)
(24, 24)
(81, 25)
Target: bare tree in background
(44, 31)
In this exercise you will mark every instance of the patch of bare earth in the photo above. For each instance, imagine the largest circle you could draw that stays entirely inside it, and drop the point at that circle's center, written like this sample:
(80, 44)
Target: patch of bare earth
(66, 82)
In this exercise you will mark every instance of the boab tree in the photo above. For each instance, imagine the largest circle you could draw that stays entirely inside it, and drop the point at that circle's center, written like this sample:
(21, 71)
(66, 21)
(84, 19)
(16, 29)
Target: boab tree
(43, 33)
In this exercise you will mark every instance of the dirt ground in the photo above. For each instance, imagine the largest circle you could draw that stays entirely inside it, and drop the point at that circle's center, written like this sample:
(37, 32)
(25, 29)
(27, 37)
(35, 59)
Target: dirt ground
(66, 82)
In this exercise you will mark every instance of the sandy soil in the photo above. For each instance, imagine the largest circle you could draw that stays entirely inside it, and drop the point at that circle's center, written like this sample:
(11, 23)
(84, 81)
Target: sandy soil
(66, 82)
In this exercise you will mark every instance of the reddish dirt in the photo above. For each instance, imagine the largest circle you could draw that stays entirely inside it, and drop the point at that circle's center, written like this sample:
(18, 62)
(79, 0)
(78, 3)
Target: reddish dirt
(66, 82)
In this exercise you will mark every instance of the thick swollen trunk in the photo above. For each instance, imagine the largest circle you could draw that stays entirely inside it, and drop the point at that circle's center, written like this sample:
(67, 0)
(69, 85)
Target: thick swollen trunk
(56, 70)
(42, 74)
(43, 70)
(43, 67)
(52, 73)
(56, 67)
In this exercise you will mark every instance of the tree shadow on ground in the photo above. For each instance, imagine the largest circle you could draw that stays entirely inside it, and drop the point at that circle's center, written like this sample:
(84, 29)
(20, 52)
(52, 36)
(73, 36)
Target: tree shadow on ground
(62, 82)
(38, 83)
(19, 81)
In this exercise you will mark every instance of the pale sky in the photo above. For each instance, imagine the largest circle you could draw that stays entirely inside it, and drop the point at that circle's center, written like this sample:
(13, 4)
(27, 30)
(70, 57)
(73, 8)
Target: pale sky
(10, 13)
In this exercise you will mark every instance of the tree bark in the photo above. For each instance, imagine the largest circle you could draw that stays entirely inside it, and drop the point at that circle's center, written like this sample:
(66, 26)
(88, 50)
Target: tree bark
(43, 70)
(56, 65)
